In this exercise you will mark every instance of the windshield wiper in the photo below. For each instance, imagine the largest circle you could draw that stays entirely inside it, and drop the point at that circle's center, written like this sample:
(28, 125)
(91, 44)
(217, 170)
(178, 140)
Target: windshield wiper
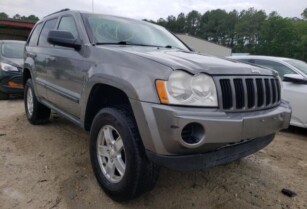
(125, 43)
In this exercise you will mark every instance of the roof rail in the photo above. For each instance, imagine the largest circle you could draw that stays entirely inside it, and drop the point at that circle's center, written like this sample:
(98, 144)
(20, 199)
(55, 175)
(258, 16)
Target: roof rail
(62, 10)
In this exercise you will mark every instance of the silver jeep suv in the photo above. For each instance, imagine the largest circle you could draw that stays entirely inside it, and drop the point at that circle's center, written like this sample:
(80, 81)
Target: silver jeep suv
(147, 99)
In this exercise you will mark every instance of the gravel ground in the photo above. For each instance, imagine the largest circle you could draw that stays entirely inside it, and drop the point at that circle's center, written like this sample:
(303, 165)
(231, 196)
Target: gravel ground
(48, 166)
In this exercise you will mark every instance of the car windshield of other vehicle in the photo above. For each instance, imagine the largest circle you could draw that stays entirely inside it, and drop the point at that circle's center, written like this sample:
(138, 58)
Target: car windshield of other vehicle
(12, 50)
(115, 30)
(302, 66)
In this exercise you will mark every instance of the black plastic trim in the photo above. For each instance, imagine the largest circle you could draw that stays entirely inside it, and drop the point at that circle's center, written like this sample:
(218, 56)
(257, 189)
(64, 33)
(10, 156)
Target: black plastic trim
(220, 156)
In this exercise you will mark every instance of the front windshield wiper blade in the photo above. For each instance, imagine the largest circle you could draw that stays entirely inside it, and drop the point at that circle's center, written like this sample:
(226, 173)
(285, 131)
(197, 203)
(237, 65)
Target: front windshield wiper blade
(124, 43)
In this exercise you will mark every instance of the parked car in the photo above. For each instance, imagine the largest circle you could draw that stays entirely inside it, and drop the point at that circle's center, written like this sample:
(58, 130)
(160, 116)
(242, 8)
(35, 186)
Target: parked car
(11, 65)
(146, 98)
(294, 75)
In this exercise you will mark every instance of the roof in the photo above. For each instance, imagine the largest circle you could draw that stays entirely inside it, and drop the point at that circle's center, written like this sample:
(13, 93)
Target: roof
(17, 23)
(183, 34)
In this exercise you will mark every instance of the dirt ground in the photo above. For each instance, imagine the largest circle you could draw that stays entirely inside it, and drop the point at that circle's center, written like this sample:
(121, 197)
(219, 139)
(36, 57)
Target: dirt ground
(48, 166)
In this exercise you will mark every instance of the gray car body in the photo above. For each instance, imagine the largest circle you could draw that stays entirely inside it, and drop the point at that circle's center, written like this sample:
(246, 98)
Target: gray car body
(63, 80)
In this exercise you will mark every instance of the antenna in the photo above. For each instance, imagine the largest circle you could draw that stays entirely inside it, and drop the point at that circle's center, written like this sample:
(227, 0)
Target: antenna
(93, 6)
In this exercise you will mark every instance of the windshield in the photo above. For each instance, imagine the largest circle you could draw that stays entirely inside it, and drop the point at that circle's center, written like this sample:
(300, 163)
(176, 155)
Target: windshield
(12, 50)
(302, 66)
(116, 30)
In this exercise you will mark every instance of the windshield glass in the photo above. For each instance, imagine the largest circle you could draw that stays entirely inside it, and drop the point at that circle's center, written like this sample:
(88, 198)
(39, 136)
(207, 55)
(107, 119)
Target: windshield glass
(12, 50)
(302, 66)
(112, 30)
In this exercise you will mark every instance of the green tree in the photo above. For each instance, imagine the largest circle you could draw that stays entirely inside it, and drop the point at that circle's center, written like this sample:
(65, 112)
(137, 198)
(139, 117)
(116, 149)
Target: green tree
(181, 23)
(3, 15)
(17, 17)
(193, 22)
(304, 14)
(248, 28)
(278, 37)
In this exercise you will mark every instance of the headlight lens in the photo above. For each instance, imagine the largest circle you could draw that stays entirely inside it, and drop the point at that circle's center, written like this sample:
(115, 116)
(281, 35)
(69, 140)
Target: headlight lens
(185, 89)
(7, 67)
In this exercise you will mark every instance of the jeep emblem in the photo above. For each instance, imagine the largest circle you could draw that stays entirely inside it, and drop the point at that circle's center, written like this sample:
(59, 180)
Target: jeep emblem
(255, 71)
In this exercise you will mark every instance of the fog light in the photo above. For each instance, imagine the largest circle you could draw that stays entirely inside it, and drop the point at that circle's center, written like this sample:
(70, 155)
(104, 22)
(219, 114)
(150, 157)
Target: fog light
(192, 133)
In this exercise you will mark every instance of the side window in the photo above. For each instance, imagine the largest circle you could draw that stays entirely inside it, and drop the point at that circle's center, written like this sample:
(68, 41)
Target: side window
(280, 68)
(68, 23)
(49, 25)
(34, 37)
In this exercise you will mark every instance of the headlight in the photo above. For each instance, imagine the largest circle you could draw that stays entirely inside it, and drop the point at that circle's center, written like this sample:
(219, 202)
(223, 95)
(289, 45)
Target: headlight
(7, 67)
(185, 89)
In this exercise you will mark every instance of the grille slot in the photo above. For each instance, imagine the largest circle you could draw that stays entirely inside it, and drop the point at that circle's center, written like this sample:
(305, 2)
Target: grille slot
(227, 93)
(248, 92)
(240, 96)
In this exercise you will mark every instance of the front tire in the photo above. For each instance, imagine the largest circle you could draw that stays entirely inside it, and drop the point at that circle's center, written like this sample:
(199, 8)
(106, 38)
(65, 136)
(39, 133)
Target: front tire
(118, 156)
(36, 112)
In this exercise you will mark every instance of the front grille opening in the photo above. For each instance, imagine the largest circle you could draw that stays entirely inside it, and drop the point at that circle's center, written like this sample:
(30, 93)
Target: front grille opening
(240, 97)
(268, 91)
(250, 93)
(226, 93)
(274, 90)
(247, 93)
(260, 92)
(192, 133)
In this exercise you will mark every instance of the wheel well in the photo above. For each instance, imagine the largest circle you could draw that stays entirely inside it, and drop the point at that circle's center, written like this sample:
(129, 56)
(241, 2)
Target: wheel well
(103, 96)
(26, 75)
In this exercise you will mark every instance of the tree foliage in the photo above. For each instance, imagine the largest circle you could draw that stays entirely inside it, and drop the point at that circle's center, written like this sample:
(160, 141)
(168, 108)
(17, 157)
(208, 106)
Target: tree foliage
(250, 31)
(31, 18)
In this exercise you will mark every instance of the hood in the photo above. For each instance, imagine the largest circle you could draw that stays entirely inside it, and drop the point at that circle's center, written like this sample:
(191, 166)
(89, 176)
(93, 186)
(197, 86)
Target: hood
(191, 61)
(13, 61)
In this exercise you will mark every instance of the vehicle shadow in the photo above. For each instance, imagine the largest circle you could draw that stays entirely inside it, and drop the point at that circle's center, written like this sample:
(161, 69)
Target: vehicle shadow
(296, 130)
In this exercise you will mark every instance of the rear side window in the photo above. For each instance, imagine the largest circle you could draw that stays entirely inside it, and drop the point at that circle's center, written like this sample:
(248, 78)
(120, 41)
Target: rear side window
(67, 23)
(280, 68)
(35, 34)
(49, 25)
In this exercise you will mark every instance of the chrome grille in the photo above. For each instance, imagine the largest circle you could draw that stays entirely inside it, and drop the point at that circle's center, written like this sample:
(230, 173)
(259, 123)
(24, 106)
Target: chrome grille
(248, 92)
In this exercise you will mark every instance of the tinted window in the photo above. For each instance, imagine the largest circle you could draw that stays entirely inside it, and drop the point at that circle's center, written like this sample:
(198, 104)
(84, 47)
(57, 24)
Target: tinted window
(13, 50)
(280, 68)
(49, 25)
(68, 24)
(35, 34)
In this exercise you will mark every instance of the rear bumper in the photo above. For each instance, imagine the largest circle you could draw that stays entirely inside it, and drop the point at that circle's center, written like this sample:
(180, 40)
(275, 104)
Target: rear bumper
(220, 156)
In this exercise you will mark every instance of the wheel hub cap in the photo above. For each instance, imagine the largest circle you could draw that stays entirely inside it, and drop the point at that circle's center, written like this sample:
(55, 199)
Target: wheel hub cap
(30, 102)
(111, 154)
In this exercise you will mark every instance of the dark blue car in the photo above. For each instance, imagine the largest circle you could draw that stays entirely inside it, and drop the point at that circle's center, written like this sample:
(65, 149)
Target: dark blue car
(11, 64)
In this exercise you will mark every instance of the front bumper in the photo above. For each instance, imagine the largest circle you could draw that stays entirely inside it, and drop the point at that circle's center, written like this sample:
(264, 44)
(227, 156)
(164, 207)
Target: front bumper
(11, 82)
(161, 126)
(221, 156)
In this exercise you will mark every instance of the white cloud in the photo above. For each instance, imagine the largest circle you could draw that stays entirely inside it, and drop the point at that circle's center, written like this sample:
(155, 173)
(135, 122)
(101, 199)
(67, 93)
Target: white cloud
(150, 9)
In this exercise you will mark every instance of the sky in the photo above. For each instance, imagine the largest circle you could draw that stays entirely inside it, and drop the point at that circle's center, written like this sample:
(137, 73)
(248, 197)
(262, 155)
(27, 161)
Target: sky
(149, 9)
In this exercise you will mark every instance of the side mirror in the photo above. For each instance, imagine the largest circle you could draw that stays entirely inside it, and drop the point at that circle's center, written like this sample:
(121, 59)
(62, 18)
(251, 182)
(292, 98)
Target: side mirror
(63, 38)
(294, 78)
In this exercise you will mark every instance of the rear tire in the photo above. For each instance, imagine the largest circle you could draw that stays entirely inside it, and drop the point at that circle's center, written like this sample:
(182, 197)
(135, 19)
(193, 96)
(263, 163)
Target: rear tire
(137, 174)
(3, 96)
(36, 112)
